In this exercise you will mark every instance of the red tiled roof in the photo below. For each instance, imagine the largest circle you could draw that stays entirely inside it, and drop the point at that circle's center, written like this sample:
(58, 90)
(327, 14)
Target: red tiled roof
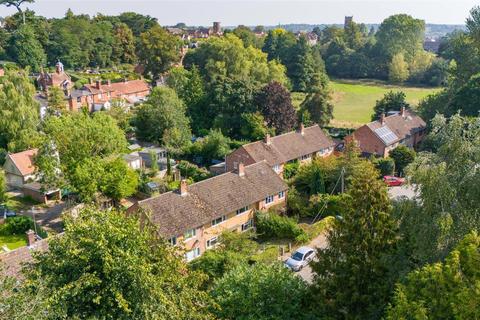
(289, 146)
(119, 89)
(24, 161)
(12, 261)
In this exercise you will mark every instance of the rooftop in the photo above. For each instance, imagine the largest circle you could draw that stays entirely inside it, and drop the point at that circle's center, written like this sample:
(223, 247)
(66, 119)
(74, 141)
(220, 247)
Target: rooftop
(24, 161)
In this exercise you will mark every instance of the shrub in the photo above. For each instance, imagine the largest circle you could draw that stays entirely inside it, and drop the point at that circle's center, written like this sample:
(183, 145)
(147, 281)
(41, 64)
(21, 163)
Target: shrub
(386, 166)
(189, 170)
(18, 225)
(290, 169)
(271, 225)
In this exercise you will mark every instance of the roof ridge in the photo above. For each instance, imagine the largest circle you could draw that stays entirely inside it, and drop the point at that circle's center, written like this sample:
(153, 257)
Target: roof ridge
(280, 135)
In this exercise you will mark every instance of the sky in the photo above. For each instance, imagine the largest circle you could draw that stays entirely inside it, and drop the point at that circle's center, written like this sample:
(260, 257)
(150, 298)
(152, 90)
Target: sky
(262, 12)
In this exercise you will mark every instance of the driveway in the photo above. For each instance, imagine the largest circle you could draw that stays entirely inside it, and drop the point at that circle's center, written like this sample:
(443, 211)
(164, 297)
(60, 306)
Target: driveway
(306, 273)
(48, 218)
(405, 191)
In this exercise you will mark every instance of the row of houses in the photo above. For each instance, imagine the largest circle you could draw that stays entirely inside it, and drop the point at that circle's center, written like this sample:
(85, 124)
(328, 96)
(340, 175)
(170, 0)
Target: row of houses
(193, 217)
(96, 95)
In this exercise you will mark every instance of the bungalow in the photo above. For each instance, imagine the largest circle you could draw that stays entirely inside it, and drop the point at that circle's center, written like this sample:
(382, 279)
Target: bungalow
(98, 96)
(380, 137)
(302, 145)
(19, 168)
(195, 216)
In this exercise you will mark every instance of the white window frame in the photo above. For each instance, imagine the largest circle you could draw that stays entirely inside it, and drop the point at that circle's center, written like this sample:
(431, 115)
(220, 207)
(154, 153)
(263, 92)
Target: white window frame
(209, 244)
(276, 168)
(247, 225)
(222, 218)
(196, 254)
(173, 241)
(243, 210)
(281, 194)
(305, 157)
(269, 199)
(191, 233)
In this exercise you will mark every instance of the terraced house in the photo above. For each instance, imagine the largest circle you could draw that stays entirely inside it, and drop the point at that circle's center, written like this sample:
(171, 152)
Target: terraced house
(302, 145)
(194, 217)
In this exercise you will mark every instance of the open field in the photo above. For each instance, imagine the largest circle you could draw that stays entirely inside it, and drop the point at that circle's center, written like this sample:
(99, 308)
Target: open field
(354, 99)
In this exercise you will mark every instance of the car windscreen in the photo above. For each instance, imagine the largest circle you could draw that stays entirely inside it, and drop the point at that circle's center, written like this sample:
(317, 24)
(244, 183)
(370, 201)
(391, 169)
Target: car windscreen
(297, 256)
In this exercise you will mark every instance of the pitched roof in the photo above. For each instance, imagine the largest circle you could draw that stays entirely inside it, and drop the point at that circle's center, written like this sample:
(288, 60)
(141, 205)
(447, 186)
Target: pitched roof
(397, 127)
(12, 261)
(24, 161)
(212, 198)
(120, 88)
(289, 146)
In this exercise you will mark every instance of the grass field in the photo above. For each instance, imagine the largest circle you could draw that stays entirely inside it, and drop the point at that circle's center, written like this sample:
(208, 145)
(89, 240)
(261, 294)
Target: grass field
(354, 99)
(12, 241)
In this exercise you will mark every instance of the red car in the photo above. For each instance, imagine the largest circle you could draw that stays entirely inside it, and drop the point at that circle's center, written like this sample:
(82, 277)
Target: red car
(392, 181)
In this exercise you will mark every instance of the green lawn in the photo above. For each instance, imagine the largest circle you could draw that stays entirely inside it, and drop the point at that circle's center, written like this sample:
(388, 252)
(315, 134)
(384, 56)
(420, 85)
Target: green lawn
(19, 203)
(354, 100)
(12, 241)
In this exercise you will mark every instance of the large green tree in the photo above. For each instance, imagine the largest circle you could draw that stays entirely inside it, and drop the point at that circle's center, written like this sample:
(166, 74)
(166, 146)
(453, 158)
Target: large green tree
(158, 51)
(163, 112)
(105, 266)
(402, 156)
(391, 101)
(260, 291)
(444, 290)
(317, 106)
(352, 273)
(26, 49)
(15, 3)
(19, 112)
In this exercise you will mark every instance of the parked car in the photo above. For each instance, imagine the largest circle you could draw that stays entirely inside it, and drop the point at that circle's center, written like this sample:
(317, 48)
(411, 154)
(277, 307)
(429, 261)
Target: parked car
(300, 258)
(392, 181)
(6, 213)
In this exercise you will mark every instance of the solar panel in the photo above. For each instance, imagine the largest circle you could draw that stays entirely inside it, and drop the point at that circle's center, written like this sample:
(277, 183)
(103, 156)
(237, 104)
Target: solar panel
(386, 135)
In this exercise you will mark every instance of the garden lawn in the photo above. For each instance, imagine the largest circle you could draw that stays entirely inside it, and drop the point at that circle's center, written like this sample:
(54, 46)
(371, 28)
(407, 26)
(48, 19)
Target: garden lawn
(354, 100)
(12, 241)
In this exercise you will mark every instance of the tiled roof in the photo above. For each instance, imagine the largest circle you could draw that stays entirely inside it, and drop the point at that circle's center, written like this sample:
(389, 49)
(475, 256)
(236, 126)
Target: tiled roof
(212, 198)
(119, 89)
(12, 261)
(24, 161)
(400, 126)
(289, 146)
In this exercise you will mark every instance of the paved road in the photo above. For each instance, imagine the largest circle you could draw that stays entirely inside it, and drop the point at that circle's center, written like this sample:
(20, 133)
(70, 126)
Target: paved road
(48, 218)
(407, 191)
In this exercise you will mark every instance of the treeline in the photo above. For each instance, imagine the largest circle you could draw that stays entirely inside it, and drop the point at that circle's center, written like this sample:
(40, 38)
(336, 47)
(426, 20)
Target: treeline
(81, 41)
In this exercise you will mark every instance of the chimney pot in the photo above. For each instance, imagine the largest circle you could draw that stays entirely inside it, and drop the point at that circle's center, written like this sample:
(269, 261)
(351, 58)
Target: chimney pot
(183, 187)
(301, 129)
(382, 119)
(268, 139)
(30, 237)
(241, 169)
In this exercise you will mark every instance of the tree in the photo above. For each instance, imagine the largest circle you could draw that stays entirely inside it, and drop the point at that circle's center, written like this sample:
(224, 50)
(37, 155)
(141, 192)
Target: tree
(275, 104)
(352, 273)
(26, 49)
(3, 187)
(473, 24)
(138, 23)
(457, 279)
(402, 156)
(158, 50)
(56, 100)
(153, 162)
(401, 33)
(449, 191)
(119, 271)
(391, 101)
(254, 127)
(386, 166)
(123, 48)
(162, 112)
(398, 69)
(18, 112)
(247, 35)
(119, 180)
(319, 107)
(260, 291)
(212, 147)
(15, 3)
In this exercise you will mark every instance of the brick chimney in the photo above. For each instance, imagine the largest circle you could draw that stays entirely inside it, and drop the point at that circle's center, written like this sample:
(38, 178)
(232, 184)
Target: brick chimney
(98, 84)
(402, 112)
(268, 139)
(109, 82)
(301, 129)
(30, 237)
(382, 119)
(241, 169)
(183, 187)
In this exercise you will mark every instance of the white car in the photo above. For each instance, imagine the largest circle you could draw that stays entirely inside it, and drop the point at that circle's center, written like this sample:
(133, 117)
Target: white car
(300, 258)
